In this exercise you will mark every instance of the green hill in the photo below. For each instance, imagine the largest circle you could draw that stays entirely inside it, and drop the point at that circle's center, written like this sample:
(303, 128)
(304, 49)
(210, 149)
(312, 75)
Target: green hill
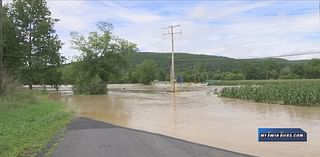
(200, 67)
(186, 61)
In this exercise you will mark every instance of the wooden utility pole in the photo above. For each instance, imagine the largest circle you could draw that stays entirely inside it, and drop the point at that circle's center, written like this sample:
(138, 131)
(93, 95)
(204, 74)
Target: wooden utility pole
(172, 33)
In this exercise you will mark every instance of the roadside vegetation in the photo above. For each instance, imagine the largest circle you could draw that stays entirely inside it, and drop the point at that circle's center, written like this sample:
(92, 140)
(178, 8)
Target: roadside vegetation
(28, 121)
(295, 92)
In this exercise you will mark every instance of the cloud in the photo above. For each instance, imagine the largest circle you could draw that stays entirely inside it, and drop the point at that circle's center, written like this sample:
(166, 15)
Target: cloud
(131, 15)
(238, 29)
(218, 10)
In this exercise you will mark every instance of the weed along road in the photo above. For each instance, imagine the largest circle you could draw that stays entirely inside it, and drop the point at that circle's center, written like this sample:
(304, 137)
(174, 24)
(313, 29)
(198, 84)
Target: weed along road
(86, 137)
(194, 114)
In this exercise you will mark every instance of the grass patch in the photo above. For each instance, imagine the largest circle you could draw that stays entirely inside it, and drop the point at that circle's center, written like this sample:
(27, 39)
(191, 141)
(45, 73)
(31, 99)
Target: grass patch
(27, 123)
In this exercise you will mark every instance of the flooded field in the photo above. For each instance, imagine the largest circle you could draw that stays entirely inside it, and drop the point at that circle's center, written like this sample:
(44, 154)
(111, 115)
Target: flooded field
(196, 114)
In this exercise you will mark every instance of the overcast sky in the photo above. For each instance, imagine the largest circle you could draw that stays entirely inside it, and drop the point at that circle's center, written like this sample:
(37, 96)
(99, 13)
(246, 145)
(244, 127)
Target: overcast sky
(238, 29)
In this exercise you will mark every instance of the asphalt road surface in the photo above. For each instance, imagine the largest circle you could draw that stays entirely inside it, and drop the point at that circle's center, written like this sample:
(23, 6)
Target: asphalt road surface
(89, 138)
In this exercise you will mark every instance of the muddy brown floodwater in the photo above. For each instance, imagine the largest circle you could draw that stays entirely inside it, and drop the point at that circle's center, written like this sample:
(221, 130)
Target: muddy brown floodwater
(196, 114)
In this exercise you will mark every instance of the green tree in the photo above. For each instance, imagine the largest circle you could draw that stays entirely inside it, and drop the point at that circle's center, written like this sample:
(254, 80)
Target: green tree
(12, 53)
(37, 38)
(297, 69)
(312, 69)
(187, 76)
(253, 71)
(271, 69)
(147, 71)
(200, 73)
(68, 72)
(102, 57)
(11, 56)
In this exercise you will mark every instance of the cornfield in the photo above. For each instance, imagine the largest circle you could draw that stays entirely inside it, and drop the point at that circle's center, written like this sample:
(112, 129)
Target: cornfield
(305, 92)
(257, 82)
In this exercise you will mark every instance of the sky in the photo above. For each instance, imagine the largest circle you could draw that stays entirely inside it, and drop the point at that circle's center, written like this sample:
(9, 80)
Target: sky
(237, 29)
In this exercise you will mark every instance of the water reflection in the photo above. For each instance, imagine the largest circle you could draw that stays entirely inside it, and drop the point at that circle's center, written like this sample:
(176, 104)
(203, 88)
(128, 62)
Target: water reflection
(174, 111)
(195, 114)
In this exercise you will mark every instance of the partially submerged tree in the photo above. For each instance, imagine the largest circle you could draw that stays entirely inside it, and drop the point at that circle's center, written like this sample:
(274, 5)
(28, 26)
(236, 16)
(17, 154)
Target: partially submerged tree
(103, 56)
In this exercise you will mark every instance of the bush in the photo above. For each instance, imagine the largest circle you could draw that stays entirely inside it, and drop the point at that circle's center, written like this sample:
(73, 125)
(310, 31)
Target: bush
(90, 85)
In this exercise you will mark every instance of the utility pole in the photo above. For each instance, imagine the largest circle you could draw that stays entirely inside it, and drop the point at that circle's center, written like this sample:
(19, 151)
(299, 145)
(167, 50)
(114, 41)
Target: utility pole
(171, 32)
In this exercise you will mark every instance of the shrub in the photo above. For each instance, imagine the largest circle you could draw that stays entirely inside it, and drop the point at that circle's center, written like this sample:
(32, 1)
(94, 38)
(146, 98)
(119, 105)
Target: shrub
(7, 83)
(90, 85)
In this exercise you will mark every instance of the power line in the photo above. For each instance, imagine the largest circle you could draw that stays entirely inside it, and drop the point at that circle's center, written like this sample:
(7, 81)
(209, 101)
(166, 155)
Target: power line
(276, 56)
(171, 32)
(289, 55)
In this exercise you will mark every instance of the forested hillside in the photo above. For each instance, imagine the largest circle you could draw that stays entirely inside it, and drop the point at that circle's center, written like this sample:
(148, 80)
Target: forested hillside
(186, 61)
(147, 66)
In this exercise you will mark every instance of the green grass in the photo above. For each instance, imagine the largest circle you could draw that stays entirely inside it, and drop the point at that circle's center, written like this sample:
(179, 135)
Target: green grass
(28, 123)
(302, 92)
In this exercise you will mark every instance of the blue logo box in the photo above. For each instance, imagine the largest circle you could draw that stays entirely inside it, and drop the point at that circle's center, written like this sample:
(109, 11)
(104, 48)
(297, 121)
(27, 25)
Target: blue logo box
(281, 135)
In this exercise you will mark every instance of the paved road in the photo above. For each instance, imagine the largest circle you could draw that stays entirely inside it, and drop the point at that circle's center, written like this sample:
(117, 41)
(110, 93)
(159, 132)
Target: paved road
(89, 138)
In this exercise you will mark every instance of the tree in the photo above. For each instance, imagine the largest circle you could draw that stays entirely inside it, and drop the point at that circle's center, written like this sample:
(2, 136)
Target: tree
(161, 75)
(147, 71)
(312, 69)
(200, 73)
(187, 76)
(10, 56)
(297, 69)
(102, 57)
(271, 69)
(12, 53)
(253, 71)
(37, 38)
(68, 72)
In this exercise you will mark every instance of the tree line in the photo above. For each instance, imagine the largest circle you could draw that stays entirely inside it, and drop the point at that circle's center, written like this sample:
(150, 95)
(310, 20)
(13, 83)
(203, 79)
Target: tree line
(199, 68)
(262, 69)
(151, 69)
